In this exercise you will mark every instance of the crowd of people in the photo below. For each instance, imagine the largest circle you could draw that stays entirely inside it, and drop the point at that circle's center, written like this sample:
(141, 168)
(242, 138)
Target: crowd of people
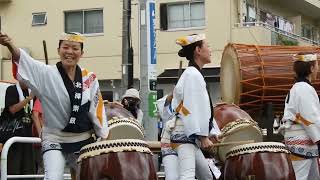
(62, 104)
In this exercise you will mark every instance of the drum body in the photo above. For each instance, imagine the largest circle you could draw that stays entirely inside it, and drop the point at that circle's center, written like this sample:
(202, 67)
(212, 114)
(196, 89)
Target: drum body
(225, 113)
(254, 75)
(259, 161)
(116, 159)
(122, 124)
(117, 112)
(236, 125)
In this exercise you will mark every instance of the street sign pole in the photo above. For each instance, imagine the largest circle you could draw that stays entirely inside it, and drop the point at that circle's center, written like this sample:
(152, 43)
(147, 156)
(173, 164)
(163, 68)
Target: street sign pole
(148, 62)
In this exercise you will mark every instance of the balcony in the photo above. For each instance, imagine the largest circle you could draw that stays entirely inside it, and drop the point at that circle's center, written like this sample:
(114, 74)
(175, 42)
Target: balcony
(263, 34)
(307, 7)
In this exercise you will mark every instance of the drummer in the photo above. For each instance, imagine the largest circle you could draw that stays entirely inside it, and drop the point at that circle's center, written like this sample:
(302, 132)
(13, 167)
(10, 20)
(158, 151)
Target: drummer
(71, 101)
(131, 101)
(193, 122)
(302, 118)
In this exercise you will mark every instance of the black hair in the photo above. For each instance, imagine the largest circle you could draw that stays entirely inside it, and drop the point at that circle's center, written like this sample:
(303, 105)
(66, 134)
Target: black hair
(303, 69)
(188, 51)
(132, 106)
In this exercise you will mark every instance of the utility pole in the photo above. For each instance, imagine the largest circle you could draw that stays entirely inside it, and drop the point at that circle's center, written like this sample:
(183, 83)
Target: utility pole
(127, 50)
(148, 61)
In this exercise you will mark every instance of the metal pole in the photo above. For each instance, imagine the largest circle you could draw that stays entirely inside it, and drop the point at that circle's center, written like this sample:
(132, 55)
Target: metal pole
(127, 50)
(1, 58)
(269, 118)
(148, 61)
(1, 65)
(125, 43)
(5, 150)
(4, 159)
(130, 49)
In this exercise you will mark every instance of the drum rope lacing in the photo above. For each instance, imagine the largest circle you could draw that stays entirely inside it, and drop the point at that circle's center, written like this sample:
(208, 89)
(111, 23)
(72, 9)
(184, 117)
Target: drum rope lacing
(113, 146)
(236, 123)
(262, 51)
(251, 148)
(262, 74)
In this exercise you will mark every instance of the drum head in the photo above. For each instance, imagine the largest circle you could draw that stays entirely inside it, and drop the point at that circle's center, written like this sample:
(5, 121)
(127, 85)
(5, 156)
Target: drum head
(125, 128)
(249, 132)
(230, 76)
(125, 131)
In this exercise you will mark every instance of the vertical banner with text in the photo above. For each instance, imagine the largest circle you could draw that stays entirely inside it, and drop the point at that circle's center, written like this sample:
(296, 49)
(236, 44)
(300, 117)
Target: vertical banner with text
(152, 58)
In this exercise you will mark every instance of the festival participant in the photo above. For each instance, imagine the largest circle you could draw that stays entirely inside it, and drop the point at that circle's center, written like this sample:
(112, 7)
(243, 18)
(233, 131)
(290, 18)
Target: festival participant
(193, 123)
(131, 101)
(302, 119)
(18, 107)
(71, 101)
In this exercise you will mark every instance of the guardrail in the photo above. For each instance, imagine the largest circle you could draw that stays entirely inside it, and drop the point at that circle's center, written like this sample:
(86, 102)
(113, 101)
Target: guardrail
(276, 30)
(7, 145)
(4, 158)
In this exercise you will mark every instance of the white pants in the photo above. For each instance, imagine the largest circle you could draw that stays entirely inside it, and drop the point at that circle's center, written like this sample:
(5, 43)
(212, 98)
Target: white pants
(171, 167)
(192, 163)
(54, 163)
(307, 169)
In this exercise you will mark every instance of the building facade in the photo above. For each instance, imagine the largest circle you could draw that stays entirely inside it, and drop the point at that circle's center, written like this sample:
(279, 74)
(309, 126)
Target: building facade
(261, 22)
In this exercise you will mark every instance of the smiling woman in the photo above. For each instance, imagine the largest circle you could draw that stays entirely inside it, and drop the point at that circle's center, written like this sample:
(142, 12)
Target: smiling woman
(70, 52)
(70, 98)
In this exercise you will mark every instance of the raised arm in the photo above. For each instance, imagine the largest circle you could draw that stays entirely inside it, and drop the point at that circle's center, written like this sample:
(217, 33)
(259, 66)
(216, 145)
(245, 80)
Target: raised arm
(5, 40)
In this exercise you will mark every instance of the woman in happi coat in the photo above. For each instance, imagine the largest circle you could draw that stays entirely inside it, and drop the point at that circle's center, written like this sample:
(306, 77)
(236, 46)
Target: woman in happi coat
(302, 119)
(193, 121)
(71, 101)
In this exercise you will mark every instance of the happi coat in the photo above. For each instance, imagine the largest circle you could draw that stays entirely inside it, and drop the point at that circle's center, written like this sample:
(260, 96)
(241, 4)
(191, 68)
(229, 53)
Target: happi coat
(47, 84)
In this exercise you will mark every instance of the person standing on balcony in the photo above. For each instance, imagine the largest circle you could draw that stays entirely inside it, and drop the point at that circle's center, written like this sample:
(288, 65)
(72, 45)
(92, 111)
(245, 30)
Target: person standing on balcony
(302, 119)
(71, 101)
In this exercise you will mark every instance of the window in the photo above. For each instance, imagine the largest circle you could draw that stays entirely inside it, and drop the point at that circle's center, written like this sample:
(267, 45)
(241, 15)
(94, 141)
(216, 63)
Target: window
(84, 21)
(39, 19)
(251, 12)
(182, 15)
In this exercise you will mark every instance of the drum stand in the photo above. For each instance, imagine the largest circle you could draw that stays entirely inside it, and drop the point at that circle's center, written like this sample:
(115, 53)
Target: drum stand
(269, 118)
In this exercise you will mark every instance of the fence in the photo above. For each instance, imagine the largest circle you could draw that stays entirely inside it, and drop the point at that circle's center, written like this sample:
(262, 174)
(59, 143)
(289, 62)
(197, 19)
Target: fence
(4, 160)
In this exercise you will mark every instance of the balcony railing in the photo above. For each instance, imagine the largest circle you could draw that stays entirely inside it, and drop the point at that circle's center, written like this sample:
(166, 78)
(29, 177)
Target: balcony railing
(278, 31)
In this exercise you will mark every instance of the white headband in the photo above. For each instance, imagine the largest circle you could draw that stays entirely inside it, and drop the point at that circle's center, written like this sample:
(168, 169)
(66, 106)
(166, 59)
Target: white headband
(306, 57)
